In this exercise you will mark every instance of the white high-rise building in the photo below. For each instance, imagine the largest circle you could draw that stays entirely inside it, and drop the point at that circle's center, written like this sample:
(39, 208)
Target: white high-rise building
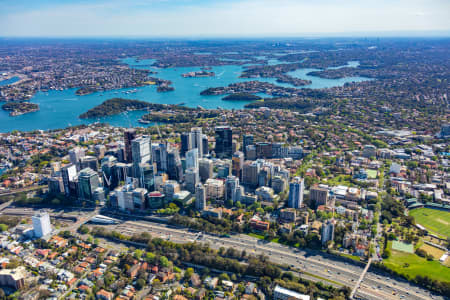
(296, 189)
(196, 140)
(192, 159)
(41, 224)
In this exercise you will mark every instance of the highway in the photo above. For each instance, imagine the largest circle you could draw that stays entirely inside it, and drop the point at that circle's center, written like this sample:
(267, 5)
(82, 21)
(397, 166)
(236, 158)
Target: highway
(373, 286)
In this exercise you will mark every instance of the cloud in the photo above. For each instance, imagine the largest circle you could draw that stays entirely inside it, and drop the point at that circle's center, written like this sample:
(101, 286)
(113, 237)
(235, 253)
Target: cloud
(163, 18)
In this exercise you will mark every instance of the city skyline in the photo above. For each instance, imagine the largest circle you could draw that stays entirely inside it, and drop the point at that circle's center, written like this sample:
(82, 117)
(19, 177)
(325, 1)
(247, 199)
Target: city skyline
(218, 18)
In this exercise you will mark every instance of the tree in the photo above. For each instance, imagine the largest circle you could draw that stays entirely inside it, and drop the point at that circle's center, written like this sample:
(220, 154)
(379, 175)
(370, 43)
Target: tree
(150, 257)
(188, 273)
(140, 283)
(163, 262)
(138, 254)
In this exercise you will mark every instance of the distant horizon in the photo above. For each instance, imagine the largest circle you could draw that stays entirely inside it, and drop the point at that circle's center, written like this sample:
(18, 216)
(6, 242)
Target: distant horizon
(223, 18)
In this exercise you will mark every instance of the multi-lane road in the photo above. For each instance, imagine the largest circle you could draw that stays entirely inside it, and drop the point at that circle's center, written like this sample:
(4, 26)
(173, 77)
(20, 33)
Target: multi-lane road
(313, 265)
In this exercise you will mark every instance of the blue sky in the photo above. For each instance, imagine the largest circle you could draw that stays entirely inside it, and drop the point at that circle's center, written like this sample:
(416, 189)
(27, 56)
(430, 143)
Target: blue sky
(221, 18)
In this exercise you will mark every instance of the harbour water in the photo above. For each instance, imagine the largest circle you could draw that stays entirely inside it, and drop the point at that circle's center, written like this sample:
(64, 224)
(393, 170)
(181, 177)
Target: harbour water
(59, 109)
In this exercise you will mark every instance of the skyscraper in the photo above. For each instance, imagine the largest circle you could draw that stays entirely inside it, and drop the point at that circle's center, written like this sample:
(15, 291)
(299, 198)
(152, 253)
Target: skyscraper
(41, 224)
(205, 169)
(224, 142)
(238, 164)
(141, 150)
(231, 186)
(159, 154)
(191, 179)
(88, 181)
(128, 136)
(247, 140)
(296, 189)
(205, 144)
(192, 159)
(174, 168)
(327, 232)
(75, 156)
(185, 143)
(147, 176)
(197, 140)
(68, 174)
(200, 197)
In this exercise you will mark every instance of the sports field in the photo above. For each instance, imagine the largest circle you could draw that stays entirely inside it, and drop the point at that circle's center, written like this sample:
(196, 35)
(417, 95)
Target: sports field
(437, 221)
(433, 251)
(399, 246)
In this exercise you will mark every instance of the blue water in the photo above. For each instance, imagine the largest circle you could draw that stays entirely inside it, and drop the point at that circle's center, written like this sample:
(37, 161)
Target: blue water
(9, 81)
(59, 109)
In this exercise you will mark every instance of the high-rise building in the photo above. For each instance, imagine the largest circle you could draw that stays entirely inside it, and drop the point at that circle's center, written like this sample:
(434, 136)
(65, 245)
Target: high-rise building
(88, 182)
(205, 145)
(279, 184)
(139, 195)
(170, 188)
(200, 197)
(318, 195)
(197, 140)
(224, 142)
(41, 224)
(369, 151)
(237, 164)
(250, 174)
(205, 169)
(263, 150)
(214, 189)
(141, 150)
(147, 176)
(89, 162)
(231, 188)
(107, 165)
(192, 159)
(327, 232)
(185, 143)
(296, 189)
(100, 151)
(128, 135)
(68, 174)
(247, 141)
(223, 168)
(75, 156)
(159, 154)
(191, 179)
(55, 185)
(174, 167)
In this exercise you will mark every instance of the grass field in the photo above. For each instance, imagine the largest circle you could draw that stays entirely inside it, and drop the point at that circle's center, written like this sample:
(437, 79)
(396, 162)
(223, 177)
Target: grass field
(371, 174)
(399, 246)
(437, 221)
(417, 265)
(433, 251)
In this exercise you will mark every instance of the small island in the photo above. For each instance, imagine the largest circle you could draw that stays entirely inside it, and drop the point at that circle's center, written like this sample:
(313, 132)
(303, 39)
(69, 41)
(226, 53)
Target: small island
(85, 91)
(175, 115)
(241, 97)
(198, 74)
(20, 108)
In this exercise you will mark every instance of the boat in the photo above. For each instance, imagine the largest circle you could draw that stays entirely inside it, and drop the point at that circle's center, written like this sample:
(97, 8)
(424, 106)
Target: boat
(181, 104)
(144, 121)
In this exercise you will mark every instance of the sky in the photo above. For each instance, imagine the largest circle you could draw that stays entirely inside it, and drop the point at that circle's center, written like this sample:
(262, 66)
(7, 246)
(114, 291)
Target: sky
(222, 18)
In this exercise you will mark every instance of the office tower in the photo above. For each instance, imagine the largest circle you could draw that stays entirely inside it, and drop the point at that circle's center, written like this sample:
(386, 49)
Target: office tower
(224, 142)
(170, 188)
(68, 174)
(107, 165)
(197, 140)
(295, 152)
(237, 164)
(128, 135)
(174, 167)
(250, 174)
(88, 181)
(263, 150)
(55, 185)
(296, 188)
(41, 224)
(318, 195)
(247, 141)
(124, 196)
(159, 154)
(89, 162)
(250, 152)
(75, 156)
(200, 197)
(231, 186)
(327, 232)
(264, 176)
(139, 195)
(214, 189)
(147, 176)
(445, 131)
(100, 151)
(205, 169)
(185, 143)
(205, 145)
(141, 150)
(192, 159)
(223, 168)
(191, 179)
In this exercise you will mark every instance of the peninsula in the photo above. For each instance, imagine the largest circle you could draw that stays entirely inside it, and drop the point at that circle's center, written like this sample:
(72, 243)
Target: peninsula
(241, 97)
